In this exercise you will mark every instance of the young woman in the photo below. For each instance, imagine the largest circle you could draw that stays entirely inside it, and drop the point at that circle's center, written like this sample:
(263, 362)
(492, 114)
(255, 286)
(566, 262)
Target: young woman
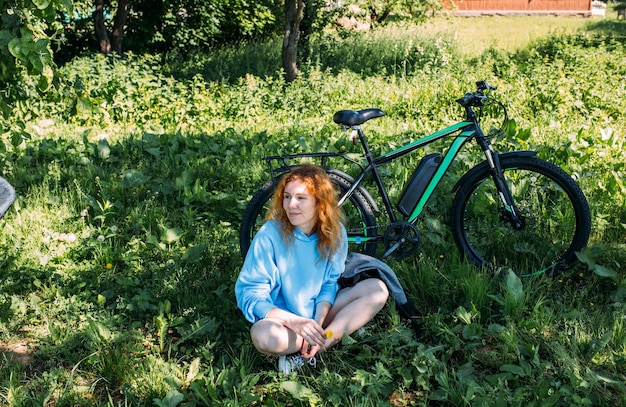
(288, 287)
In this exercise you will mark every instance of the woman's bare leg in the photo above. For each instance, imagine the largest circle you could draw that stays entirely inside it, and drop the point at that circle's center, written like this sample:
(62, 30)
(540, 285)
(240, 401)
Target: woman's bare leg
(271, 337)
(354, 307)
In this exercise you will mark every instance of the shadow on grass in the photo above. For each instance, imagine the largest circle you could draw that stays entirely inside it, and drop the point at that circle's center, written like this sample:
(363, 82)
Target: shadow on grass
(609, 27)
(153, 261)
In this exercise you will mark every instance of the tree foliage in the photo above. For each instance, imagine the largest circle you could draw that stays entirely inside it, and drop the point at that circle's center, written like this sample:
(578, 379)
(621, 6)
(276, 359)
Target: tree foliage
(34, 34)
(29, 32)
(380, 10)
(159, 26)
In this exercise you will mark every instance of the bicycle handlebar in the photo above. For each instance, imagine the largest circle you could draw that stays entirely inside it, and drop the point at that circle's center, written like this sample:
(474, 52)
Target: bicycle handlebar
(483, 85)
(478, 98)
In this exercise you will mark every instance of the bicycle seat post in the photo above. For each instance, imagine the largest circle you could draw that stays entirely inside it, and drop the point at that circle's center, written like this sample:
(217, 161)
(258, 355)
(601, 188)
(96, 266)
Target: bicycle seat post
(374, 169)
(366, 148)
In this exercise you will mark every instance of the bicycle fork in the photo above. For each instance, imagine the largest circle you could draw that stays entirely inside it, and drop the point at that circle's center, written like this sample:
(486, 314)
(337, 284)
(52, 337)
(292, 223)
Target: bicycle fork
(510, 209)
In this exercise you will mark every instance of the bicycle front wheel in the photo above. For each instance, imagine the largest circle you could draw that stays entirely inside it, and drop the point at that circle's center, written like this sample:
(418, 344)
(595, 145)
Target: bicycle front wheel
(358, 219)
(554, 209)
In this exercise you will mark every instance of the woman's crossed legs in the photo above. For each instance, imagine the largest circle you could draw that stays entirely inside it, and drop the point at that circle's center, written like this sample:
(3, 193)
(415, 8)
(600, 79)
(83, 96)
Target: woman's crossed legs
(353, 308)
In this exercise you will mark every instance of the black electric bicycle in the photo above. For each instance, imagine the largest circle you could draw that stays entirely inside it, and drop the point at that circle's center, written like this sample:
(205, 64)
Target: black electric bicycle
(513, 210)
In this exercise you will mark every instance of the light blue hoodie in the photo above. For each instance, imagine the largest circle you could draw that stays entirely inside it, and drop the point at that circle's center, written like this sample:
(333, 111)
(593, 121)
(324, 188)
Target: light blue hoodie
(289, 275)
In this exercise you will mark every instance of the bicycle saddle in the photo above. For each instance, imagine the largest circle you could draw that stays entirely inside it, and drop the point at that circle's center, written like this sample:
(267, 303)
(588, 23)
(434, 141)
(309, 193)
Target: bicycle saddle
(356, 117)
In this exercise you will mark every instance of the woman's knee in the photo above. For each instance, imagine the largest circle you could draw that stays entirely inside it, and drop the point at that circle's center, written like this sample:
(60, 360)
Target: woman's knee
(267, 337)
(376, 290)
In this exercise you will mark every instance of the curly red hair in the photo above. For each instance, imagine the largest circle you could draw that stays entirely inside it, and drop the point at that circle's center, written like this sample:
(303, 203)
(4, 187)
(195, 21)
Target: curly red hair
(319, 185)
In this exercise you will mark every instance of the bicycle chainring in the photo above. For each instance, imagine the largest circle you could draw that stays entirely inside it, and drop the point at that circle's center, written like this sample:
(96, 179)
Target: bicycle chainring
(402, 239)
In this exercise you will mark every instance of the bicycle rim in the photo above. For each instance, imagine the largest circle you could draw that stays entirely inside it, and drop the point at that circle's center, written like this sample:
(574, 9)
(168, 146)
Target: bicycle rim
(254, 216)
(555, 211)
(358, 217)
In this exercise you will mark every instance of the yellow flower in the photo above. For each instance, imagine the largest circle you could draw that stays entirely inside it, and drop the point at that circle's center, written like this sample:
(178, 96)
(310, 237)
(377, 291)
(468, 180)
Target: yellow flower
(329, 334)
(109, 266)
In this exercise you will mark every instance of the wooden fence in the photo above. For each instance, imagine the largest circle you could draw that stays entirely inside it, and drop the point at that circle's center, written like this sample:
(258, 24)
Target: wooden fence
(580, 7)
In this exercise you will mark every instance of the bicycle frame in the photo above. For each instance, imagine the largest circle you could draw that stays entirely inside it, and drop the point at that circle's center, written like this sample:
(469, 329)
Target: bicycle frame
(466, 130)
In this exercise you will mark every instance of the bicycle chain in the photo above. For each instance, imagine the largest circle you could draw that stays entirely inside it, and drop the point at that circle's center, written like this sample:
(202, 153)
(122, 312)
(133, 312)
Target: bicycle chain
(385, 225)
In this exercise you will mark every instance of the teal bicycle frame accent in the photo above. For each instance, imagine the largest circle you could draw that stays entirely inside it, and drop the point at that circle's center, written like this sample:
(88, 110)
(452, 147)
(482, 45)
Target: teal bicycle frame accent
(448, 158)
(466, 130)
(392, 155)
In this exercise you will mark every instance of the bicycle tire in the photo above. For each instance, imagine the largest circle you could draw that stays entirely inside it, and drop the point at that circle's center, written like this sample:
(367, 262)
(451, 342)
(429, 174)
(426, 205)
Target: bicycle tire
(358, 214)
(556, 213)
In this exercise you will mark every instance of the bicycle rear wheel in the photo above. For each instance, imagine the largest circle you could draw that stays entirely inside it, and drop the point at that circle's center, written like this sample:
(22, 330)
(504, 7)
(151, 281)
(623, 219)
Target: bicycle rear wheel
(555, 210)
(358, 215)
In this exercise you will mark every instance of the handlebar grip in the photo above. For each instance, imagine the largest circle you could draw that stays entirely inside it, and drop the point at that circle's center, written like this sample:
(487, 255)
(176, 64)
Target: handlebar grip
(466, 100)
(483, 85)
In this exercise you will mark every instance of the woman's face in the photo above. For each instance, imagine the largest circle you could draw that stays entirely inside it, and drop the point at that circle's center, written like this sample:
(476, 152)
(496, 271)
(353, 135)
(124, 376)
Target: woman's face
(300, 206)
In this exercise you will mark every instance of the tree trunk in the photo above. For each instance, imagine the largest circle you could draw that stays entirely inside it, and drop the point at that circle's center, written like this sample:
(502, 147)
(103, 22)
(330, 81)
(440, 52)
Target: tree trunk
(379, 19)
(115, 43)
(294, 12)
(118, 26)
(101, 30)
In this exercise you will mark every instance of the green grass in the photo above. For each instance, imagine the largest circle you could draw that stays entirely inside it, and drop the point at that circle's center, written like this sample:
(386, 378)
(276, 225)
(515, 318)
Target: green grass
(475, 35)
(121, 251)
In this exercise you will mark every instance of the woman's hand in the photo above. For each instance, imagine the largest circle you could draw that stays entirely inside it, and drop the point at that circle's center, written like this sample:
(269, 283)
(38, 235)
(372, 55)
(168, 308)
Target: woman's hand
(308, 351)
(309, 330)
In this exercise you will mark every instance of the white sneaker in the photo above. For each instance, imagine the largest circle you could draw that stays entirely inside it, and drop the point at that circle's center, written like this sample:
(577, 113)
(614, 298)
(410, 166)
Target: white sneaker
(288, 364)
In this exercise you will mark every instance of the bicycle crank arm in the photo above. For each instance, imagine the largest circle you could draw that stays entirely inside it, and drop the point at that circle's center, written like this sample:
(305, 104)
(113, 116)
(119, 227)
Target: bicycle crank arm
(393, 248)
